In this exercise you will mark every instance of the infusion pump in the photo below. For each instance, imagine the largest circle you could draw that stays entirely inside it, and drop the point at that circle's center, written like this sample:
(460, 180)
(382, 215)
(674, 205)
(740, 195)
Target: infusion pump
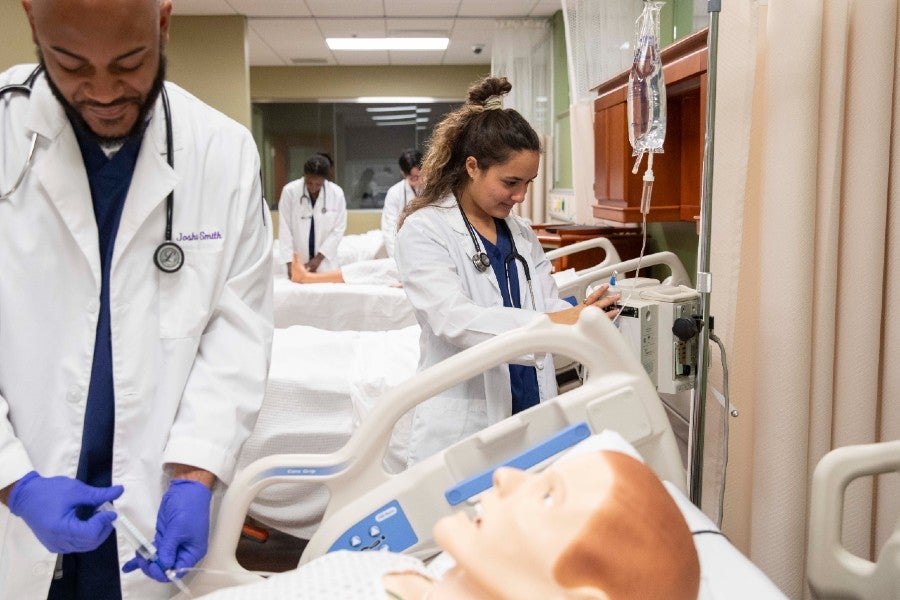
(659, 325)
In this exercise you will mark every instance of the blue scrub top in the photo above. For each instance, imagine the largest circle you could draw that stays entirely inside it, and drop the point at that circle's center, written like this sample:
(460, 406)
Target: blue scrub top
(95, 575)
(523, 379)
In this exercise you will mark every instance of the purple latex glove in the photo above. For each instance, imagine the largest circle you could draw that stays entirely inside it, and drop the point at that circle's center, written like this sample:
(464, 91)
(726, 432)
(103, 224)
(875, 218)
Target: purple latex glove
(182, 530)
(49, 504)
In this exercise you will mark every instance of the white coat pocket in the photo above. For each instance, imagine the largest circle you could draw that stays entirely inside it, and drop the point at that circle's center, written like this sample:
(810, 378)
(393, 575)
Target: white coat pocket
(186, 297)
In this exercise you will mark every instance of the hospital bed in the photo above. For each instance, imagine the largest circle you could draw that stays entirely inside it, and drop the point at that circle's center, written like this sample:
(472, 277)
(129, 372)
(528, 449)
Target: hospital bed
(341, 307)
(321, 383)
(833, 572)
(611, 254)
(616, 395)
(588, 278)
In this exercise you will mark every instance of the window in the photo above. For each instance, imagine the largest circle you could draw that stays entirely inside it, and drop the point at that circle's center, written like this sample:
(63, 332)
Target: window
(364, 141)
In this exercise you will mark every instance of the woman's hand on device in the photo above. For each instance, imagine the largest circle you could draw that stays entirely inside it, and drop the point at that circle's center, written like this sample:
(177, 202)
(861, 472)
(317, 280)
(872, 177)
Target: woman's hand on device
(597, 298)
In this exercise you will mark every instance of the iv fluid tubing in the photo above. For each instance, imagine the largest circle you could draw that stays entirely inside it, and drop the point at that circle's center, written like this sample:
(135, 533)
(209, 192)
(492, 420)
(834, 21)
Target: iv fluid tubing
(646, 99)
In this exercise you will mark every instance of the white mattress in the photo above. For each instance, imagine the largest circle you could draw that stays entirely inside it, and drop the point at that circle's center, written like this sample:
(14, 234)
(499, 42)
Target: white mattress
(341, 307)
(320, 384)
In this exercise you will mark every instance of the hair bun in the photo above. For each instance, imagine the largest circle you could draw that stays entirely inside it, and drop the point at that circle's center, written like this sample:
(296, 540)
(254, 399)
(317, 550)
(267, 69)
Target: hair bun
(484, 89)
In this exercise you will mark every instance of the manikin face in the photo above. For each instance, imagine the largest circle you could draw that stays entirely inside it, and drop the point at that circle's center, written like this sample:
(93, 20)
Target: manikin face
(102, 56)
(314, 185)
(414, 178)
(526, 522)
(496, 190)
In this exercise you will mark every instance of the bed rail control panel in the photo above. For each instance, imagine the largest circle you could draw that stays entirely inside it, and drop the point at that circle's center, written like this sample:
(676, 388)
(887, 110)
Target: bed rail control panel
(388, 528)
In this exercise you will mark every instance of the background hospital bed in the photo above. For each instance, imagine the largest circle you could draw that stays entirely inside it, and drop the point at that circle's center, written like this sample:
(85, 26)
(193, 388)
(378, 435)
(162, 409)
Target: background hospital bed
(833, 572)
(616, 395)
(611, 254)
(341, 307)
(601, 273)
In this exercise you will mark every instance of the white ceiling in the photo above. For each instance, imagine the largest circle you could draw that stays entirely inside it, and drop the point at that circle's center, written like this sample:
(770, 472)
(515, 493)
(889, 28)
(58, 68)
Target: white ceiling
(293, 32)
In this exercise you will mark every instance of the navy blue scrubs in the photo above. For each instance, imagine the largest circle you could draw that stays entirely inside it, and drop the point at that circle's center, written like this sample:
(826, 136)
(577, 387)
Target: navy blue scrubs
(523, 379)
(95, 575)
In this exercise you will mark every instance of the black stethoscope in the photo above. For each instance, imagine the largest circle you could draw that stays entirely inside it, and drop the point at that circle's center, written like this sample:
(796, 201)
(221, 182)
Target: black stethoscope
(168, 257)
(482, 261)
(312, 202)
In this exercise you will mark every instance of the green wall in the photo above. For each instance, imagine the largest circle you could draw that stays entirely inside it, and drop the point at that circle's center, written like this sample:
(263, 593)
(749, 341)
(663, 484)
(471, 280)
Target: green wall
(562, 132)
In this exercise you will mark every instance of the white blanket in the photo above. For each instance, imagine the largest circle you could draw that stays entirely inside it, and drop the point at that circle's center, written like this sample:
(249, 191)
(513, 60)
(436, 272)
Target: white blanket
(308, 407)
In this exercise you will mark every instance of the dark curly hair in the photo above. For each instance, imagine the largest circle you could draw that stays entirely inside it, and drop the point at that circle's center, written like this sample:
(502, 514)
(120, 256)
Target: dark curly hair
(491, 136)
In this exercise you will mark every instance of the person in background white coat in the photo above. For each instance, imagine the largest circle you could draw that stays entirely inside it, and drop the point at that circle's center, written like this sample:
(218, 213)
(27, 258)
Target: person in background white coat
(120, 381)
(312, 217)
(399, 195)
(472, 270)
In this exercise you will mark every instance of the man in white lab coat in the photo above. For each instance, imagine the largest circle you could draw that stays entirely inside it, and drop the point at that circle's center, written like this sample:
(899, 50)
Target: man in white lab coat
(135, 305)
(399, 195)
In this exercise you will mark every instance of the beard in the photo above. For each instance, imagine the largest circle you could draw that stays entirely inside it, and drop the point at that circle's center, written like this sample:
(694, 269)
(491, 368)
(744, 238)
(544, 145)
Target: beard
(144, 109)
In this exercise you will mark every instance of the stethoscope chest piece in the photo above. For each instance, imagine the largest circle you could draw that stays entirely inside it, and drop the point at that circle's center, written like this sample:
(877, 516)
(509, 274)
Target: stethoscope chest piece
(169, 257)
(481, 261)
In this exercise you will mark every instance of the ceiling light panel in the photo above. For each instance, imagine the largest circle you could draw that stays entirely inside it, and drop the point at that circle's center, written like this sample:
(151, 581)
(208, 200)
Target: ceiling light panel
(402, 117)
(387, 109)
(387, 43)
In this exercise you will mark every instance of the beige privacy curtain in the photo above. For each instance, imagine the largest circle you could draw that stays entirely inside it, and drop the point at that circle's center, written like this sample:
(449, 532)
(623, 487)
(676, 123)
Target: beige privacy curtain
(805, 252)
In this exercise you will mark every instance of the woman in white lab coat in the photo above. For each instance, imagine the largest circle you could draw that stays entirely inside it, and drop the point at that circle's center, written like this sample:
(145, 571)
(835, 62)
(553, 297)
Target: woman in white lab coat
(472, 270)
(312, 217)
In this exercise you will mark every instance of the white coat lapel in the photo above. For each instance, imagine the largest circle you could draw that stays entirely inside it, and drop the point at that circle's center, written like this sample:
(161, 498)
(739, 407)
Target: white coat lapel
(151, 183)
(60, 170)
(453, 217)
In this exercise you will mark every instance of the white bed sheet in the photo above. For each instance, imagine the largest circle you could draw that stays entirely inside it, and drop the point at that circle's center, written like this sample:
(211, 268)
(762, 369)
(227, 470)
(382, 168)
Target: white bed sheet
(320, 384)
(341, 307)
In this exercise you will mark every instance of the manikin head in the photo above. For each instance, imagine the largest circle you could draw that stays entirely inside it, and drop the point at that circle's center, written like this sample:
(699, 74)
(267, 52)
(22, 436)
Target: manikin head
(103, 58)
(598, 526)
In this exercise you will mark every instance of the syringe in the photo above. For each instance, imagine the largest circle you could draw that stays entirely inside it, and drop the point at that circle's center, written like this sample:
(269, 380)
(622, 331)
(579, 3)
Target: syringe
(142, 545)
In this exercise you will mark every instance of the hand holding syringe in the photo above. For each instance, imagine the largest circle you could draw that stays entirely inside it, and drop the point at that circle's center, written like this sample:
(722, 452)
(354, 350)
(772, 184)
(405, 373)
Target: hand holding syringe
(142, 545)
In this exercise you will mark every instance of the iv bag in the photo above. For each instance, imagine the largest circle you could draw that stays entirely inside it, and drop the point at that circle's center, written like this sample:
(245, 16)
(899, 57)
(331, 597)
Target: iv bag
(646, 87)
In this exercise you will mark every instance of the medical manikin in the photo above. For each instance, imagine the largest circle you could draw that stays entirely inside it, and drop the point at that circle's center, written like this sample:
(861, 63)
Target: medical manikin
(599, 525)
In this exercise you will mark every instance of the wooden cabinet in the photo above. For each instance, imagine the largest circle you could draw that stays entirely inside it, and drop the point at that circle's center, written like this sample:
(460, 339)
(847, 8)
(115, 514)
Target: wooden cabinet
(678, 170)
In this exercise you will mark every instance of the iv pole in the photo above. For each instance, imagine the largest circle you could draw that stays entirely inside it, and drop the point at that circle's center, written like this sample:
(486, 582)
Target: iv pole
(704, 278)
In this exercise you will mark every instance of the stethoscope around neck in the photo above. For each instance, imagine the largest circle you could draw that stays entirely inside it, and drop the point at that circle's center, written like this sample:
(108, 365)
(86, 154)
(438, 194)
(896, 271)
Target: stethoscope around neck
(482, 261)
(312, 203)
(168, 257)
